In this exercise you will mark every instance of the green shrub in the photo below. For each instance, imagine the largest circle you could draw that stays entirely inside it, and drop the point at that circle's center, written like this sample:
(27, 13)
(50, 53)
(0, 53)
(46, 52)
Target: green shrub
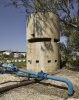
(69, 60)
(20, 64)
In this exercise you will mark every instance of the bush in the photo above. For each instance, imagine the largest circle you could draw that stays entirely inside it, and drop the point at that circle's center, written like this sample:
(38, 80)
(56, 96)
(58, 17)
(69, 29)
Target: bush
(68, 59)
(20, 64)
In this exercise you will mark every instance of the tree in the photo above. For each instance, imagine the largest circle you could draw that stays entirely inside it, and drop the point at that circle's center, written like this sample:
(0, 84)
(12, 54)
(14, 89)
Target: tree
(22, 56)
(63, 52)
(66, 9)
(5, 56)
(11, 55)
(73, 41)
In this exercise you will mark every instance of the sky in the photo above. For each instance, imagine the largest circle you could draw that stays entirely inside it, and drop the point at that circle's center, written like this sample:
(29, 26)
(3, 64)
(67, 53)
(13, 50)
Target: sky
(13, 29)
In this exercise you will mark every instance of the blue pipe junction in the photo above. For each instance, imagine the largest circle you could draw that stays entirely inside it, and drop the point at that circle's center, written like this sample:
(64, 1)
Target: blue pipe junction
(26, 73)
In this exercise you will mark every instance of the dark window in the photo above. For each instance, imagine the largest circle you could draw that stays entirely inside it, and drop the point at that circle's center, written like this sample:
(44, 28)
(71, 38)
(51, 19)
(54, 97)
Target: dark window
(55, 60)
(39, 39)
(49, 61)
(37, 61)
(30, 61)
(56, 40)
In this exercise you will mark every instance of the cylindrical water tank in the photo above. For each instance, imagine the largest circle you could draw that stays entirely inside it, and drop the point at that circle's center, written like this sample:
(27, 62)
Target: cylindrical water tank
(43, 33)
(43, 25)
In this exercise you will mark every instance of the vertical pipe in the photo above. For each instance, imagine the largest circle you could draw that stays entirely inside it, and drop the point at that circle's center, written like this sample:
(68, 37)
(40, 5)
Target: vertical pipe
(67, 81)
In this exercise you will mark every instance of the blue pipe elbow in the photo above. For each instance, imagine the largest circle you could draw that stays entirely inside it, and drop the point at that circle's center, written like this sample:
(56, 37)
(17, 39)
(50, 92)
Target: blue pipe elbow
(67, 81)
(13, 68)
(46, 76)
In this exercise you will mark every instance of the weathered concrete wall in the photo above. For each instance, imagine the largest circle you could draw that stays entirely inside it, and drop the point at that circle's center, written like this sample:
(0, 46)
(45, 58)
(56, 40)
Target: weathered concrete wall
(43, 25)
(43, 33)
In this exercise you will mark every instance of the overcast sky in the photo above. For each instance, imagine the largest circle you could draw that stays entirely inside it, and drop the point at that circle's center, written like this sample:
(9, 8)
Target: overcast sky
(13, 29)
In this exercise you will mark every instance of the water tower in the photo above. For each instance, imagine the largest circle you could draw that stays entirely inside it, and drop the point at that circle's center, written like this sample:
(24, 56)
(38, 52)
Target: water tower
(43, 35)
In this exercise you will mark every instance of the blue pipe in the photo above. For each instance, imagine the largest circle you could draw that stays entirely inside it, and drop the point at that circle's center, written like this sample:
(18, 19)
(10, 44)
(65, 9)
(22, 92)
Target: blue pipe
(30, 74)
(67, 81)
(46, 76)
(27, 71)
(26, 75)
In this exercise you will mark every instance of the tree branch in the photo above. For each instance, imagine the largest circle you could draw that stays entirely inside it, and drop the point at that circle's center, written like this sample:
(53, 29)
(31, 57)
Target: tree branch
(67, 12)
(69, 24)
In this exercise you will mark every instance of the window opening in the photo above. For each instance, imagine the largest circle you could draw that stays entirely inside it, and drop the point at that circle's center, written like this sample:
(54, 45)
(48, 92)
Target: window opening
(55, 60)
(56, 40)
(39, 39)
(37, 61)
(49, 61)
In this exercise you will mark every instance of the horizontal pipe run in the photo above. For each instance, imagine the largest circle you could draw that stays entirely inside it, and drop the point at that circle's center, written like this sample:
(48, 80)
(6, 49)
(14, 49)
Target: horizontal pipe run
(56, 78)
(6, 88)
(26, 75)
(42, 75)
(27, 71)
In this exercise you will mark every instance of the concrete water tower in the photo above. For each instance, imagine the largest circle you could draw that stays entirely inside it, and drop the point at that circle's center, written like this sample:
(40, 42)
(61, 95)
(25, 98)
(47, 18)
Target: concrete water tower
(43, 35)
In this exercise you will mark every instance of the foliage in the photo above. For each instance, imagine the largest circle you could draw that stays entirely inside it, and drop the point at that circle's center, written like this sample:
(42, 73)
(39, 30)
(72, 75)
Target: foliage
(63, 53)
(67, 7)
(22, 56)
(5, 56)
(73, 41)
(68, 58)
(11, 55)
(72, 61)
(20, 64)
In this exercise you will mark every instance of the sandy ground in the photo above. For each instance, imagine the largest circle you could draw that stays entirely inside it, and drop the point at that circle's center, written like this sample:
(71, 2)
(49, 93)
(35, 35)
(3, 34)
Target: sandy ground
(45, 90)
